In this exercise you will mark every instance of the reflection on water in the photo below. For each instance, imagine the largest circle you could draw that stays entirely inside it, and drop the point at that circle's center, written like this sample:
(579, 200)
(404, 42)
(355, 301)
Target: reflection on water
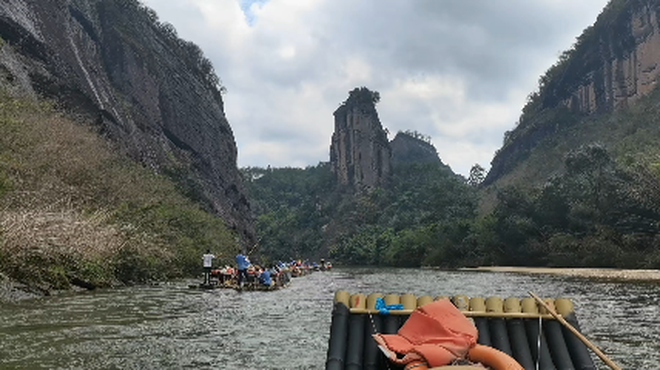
(172, 327)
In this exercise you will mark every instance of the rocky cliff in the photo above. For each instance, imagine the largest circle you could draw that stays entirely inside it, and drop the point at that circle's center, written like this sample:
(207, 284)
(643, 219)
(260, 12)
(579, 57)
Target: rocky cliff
(360, 154)
(613, 64)
(413, 147)
(113, 63)
(624, 58)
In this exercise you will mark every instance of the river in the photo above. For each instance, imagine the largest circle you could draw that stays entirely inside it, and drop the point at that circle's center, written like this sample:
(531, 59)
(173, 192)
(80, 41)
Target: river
(169, 326)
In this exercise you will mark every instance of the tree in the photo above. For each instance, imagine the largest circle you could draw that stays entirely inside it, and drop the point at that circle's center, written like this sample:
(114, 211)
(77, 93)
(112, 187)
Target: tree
(477, 175)
(363, 95)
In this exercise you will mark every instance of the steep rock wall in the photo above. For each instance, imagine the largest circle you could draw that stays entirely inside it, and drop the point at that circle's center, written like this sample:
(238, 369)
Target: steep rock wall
(360, 154)
(112, 62)
(620, 80)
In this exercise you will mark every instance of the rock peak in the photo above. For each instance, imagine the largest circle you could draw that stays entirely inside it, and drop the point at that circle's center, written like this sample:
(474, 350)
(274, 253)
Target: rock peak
(360, 154)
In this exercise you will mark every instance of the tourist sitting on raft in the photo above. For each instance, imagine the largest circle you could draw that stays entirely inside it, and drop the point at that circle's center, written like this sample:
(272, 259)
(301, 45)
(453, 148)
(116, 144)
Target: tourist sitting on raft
(224, 275)
(264, 278)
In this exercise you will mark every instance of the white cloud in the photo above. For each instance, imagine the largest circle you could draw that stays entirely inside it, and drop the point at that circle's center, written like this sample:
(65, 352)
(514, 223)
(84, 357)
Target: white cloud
(456, 70)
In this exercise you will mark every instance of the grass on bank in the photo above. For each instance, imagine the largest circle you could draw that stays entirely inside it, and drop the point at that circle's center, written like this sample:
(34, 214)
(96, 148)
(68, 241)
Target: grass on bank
(73, 209)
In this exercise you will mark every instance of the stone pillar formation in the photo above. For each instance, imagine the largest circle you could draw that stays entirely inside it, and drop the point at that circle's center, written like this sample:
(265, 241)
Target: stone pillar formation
(360, 154)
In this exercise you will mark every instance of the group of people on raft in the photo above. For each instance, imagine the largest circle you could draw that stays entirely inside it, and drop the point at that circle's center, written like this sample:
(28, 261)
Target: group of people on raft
(246, 272)
(300, 268)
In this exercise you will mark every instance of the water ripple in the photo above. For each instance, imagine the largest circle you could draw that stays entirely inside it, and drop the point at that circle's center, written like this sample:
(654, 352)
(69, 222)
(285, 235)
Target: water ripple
(172, 327)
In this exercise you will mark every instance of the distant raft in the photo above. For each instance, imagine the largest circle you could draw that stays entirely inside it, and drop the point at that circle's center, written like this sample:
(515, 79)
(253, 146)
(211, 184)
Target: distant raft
(512, 328)
(221, 280)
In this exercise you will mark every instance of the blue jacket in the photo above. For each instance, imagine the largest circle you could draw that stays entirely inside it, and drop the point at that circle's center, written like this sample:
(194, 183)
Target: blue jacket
(264, 278)
(242, 262)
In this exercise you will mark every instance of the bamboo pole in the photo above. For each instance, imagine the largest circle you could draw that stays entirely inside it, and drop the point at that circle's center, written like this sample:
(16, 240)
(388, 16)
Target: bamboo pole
(504, 315)
(570, 327)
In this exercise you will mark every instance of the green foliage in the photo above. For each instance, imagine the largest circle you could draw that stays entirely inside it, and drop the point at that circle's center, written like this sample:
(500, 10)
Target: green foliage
(417, 135)
(409, 247)
(132, 265)
(292, 206)
(477, 175)
(597, 213)
(366, 247)
(300, 213)
(362, 95)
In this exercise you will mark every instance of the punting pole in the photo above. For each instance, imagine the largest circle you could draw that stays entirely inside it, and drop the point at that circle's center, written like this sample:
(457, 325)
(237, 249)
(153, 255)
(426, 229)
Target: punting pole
(586, 341)
(372, 355)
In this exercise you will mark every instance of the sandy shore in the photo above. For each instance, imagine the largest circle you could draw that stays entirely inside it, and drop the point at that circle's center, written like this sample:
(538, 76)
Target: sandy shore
(596, 273)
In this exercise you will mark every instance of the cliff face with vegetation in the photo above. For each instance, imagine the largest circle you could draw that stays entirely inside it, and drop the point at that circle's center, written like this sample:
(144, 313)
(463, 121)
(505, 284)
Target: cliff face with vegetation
(613, 64)
(622, 67)
(576, 182)
(360, 154)
(113, 63)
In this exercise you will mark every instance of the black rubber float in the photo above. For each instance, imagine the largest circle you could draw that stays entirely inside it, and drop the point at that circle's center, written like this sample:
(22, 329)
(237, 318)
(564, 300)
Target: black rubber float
(338, 337)
(372, 355)
(478, 304)
(534, 336)
(498, 333)
(518, 337)
(578, 350)
(356, 340)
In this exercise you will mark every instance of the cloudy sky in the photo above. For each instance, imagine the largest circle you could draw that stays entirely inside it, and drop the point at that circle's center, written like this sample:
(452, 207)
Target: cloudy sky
(456, 70)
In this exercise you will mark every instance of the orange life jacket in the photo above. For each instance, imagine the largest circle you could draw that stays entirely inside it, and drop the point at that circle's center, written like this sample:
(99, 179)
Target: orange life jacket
(436, 333)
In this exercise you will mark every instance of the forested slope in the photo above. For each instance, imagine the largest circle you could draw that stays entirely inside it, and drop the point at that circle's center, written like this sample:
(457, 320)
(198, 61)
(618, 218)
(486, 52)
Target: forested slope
(576, 181)
(73, 210)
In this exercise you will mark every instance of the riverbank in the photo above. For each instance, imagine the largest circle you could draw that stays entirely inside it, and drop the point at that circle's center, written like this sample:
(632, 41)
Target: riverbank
(12, 291)
(594, 273)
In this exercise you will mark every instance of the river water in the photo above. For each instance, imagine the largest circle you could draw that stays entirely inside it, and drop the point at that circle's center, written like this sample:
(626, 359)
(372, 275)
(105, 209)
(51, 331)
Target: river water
(172, 327)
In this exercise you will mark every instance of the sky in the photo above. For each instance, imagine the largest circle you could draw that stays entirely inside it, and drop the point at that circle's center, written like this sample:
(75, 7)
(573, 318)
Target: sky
(458, 71)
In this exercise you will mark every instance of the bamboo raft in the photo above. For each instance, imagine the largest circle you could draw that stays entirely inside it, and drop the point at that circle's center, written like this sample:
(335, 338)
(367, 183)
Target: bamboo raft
(521, 328)
(221, 281)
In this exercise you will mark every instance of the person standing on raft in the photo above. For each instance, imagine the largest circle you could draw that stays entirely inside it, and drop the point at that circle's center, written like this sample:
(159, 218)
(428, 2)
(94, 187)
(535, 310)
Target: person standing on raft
(242, 263)
(208, 265)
